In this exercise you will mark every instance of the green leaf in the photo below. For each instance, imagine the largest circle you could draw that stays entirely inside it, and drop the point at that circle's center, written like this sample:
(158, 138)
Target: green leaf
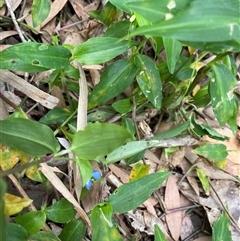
(3, 188)
(149, 80)
(130, 195)
(201, 129)
(122, 106)
(173, 49)
(217, 31)
(34, 57)
(175, 131)
(73, 231)
(102, 224)
(99, 50)
(114, 80)
(40, 10)
(155, 10)
(221, 229)
(128, 150)
(55, 211)
(204, 181)
(216, 152)
(86, 170)
(221, 92)
(99, 139)
(118, 30)
(55, 116)
(44, 236)
(158, 234)
(32, 221)
(15, 232)
(28, 136)
(108, 14)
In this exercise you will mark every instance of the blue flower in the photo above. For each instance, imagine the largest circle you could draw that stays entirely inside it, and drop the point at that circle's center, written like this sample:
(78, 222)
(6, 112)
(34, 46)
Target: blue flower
(89, 184)
(96, 174)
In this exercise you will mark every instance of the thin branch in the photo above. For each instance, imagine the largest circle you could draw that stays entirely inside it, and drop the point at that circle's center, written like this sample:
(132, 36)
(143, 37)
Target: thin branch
(15, 21)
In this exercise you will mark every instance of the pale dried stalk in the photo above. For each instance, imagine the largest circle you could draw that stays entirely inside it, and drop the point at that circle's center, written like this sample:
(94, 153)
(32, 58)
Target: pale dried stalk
(29, 90)
(57, 183)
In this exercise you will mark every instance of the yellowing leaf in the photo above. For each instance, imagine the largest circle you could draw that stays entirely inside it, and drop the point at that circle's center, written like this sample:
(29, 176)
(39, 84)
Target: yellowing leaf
(14, 204)
(204, 180)
(9, 157)
(138, 171)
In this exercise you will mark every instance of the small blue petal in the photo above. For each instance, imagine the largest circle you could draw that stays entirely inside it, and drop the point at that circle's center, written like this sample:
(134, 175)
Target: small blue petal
(89, 185)
(96, 174)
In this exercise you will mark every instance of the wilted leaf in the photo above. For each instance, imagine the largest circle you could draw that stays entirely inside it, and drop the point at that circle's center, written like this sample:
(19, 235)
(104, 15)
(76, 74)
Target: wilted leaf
(138, 171)
(172, 200)
(14, 204)
(204, 180)
(9, 157)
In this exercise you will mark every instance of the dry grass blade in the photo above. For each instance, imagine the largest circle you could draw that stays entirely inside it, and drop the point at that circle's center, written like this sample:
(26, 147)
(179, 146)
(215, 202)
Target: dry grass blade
(31, 91)
(57, 183)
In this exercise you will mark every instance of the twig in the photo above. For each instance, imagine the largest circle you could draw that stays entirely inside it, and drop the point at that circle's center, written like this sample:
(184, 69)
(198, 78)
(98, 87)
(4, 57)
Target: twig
(15, 21)
(224, 208)
(31, 207)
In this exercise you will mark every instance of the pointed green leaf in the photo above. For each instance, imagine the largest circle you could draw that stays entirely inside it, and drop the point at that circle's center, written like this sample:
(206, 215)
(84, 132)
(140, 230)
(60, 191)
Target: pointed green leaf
(221, 92)
(221, 229)
(122, 106)
(174, 131)
(34, 57)
(217, 31)
(99, 139)
(149, 80)
(128, 150)
(73, 231)
(173, 49)
(55, 211)
(40, 10)
(216, 152)
(28, 136)
(130, 195)
(32, 221)
(204, 181)
(99, 50)
(102, 224)
(158, 234)
(114, 80)
(15, 232)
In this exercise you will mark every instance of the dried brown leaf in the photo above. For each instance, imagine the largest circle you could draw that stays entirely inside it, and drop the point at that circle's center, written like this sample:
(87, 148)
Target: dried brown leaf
(172, 200)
